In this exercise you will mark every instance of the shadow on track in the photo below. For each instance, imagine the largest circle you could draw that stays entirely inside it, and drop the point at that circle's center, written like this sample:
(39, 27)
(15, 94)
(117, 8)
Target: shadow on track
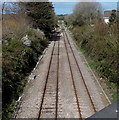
(56, 36)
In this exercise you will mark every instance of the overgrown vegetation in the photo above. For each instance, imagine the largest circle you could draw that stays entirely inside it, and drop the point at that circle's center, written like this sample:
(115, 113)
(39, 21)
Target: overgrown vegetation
(23, 43)
(98, 40)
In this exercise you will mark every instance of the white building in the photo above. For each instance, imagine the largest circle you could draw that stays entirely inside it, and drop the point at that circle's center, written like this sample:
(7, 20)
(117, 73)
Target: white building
(107, 14)
(106, 20)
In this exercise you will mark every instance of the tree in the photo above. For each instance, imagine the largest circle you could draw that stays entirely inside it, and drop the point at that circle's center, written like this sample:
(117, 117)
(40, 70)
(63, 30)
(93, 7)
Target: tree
(86, 12)
(3, 5)
(43, 16)
(112, 18)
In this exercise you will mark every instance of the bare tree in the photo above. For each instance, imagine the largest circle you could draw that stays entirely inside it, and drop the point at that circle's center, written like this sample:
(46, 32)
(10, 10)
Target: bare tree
(3, 6)
(87, 11)
(15, 22)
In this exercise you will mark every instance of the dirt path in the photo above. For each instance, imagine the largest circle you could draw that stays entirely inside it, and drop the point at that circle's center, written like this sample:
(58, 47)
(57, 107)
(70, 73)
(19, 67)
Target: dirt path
(64, 86)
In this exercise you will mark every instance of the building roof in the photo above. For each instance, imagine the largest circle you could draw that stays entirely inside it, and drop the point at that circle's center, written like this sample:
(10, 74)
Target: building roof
(107, 13)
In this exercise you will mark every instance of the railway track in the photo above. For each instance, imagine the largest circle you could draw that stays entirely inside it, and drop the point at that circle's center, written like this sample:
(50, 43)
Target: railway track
(79, 70)
(53, 108)
(72, 77)
(83, 79)
(64, 90)
(49, 103)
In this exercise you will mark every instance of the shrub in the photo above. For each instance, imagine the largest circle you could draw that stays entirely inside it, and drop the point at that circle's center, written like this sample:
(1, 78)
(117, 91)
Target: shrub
(18, 61)
(100, 43)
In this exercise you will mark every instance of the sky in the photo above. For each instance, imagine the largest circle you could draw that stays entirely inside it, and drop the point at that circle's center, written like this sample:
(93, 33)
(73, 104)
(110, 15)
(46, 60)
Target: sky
(64, 7)
(67, 7)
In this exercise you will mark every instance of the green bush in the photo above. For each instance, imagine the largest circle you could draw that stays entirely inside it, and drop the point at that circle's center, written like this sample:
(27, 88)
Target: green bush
(100, 45)
(18, 61)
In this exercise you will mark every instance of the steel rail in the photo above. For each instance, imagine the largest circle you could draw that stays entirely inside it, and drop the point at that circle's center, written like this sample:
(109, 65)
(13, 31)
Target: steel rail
(57, 84)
